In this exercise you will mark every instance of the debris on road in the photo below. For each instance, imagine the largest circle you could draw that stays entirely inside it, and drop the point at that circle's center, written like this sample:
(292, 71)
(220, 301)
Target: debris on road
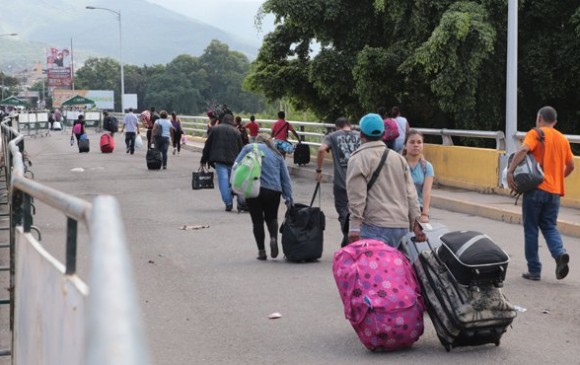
(190, 227)
(275, 315)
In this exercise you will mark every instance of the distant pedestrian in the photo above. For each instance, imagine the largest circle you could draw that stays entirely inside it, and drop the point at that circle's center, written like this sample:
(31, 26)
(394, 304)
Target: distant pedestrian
(221, 148)
(421, 171)
(254, 128)
(78, 127)
(403, 128)
(341, 143)
(212, 122)
(176, 134)
(243, 131)
(385, 210)
(540, 206)
(162, 137)
(131, 129)
(274, 182)
(280, 131)
(153, 116)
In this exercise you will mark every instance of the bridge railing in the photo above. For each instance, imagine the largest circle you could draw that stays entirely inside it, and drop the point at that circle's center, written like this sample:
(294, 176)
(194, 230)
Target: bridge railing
(103, 327)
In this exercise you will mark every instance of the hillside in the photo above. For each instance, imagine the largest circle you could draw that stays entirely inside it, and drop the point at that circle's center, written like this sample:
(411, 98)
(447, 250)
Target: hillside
(151, 34)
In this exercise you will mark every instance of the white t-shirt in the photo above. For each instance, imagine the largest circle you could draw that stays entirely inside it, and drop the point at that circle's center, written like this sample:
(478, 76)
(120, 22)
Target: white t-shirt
(402, 124)
(131, 121)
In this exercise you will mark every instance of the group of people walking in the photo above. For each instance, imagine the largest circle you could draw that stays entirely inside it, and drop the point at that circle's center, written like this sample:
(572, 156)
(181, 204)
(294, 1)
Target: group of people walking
(401, 190)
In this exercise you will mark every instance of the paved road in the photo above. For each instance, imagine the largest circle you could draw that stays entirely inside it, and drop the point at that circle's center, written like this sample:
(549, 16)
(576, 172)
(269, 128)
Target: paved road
(206, 299)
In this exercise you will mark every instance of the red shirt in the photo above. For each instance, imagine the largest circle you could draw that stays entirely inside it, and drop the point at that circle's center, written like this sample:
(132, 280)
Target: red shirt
(254, 128)
(280, 130)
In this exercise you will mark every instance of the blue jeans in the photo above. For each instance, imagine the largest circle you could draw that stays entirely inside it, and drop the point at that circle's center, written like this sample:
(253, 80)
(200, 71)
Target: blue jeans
(540, 211)
(390, 236)
(223, 172)
(162, 144)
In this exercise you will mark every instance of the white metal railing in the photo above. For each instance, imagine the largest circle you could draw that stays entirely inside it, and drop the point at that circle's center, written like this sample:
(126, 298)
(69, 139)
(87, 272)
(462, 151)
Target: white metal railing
(312, 132)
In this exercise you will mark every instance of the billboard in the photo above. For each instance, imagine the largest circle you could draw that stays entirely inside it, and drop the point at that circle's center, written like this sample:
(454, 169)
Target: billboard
(58, 68)
(104, 99)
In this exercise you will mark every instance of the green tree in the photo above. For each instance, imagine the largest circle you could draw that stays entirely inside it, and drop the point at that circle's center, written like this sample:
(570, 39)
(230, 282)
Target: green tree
(443, 62)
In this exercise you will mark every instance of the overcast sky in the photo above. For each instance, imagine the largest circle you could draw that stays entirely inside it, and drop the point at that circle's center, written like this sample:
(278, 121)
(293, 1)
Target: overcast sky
(234, 16)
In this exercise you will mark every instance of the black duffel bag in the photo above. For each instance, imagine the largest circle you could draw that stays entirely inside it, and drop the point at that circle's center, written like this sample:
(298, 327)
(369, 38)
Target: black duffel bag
(473, 258)
(303, 232)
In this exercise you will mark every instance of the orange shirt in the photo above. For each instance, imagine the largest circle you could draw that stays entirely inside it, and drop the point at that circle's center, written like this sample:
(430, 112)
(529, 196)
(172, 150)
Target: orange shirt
(552, 156)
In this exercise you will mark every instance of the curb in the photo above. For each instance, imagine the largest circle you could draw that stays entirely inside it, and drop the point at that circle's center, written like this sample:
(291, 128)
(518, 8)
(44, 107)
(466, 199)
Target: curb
(486, 211)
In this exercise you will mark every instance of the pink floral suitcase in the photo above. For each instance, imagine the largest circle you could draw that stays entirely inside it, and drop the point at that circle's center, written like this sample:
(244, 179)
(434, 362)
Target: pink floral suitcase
(381, 295)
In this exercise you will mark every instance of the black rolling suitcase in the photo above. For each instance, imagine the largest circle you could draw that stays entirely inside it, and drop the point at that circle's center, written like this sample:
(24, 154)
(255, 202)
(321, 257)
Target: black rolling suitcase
(303, 232)
(84, 145)
(462, 315)
(154, 159)
(473, 258)
(412, 249)
(301, 154)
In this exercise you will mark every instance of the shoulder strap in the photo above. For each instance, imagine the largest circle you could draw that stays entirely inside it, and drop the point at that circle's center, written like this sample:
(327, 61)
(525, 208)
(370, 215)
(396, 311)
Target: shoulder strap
(541, 138)
(378, 170)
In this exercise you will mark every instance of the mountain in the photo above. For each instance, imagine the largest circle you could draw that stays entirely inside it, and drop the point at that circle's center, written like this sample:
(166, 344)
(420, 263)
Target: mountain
(151, 34)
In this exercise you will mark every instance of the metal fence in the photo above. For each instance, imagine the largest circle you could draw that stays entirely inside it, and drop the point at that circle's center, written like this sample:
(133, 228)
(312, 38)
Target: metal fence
(111, 330)
(311, 133)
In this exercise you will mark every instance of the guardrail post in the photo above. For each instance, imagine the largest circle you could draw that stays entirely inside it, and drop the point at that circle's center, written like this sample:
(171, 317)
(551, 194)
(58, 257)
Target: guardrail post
(71, 246)
(447, 140)
(301, 135)
(27, 212)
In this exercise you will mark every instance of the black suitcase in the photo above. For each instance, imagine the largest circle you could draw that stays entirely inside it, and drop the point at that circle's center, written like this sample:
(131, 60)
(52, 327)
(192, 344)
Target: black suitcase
(303, 232)
(302, 154)
(84, 145)
(154, 159)
(473, 258)
(462, 315)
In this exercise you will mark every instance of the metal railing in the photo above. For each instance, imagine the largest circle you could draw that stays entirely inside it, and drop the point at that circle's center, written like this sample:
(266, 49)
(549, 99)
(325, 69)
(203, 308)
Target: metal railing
(113, 326)
(311, 133)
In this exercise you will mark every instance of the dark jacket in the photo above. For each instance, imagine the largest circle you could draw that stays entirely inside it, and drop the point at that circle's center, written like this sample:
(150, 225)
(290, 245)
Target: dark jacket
(223, 145)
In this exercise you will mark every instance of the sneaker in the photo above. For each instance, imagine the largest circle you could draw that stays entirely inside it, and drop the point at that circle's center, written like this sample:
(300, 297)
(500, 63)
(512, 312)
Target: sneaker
(229, 208)
(273, 247)
(174, 150)
(533, 277)
(562, 268)
(128, 149)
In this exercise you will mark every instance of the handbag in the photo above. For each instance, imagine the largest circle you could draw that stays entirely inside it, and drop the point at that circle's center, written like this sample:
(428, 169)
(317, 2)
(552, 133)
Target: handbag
(202, 179)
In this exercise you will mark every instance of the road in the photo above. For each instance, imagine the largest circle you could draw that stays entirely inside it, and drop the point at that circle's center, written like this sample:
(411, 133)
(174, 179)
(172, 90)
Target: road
(206, 299)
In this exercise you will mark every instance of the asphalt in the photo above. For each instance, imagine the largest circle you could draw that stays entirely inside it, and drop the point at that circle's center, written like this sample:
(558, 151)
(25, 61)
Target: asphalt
(500, 207)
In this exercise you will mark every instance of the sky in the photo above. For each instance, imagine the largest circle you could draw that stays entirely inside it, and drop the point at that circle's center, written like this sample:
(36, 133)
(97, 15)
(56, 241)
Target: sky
(233, 16)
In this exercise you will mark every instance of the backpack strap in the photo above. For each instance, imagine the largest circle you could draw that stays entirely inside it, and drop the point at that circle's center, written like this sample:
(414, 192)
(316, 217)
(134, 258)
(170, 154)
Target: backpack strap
(378, 170)
(541, 138)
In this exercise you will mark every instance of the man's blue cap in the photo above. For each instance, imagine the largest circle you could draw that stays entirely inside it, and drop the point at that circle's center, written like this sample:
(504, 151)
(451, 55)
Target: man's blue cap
(372, 125)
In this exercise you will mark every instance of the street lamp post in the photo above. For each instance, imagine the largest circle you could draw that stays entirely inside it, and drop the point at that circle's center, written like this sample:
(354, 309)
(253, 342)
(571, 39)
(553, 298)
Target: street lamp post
(3, 75)
(512, 79)
(118, 13)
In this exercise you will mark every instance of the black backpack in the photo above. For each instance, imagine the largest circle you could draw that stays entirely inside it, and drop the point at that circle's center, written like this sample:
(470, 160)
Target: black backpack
(111, 124)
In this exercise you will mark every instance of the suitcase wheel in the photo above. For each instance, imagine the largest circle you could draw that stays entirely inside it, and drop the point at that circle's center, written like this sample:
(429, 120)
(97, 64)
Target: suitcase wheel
(497, 343)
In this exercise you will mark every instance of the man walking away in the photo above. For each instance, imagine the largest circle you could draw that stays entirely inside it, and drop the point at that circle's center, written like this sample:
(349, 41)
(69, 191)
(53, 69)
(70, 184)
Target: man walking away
(254, 128)
(403, 128)
(131, 124)
(380, 210)
(540, 206)
(221, 148)
(341, 143)
(280, 131)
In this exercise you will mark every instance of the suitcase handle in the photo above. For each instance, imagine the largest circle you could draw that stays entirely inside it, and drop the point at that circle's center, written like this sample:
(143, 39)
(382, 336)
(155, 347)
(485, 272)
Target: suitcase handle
(314, 195)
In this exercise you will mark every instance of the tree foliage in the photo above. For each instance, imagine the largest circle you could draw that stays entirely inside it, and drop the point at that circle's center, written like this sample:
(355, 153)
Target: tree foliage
(443, 62)
(187, 84)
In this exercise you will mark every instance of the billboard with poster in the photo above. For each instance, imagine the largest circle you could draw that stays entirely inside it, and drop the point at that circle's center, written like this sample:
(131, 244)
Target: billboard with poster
(58, 68)
(104, 99)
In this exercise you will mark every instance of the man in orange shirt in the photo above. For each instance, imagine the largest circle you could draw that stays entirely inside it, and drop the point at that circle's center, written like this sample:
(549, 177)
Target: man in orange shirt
(540, 206)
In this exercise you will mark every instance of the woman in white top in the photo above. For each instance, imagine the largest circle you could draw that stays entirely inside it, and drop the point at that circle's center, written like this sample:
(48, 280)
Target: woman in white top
(162, 130)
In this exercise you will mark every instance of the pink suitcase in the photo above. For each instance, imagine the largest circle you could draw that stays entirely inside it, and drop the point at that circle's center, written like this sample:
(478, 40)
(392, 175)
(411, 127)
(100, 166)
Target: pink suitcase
(381, 295)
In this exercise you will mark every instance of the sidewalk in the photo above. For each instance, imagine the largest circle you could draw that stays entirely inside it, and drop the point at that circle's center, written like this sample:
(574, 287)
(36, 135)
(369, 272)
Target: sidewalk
(492, 206)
